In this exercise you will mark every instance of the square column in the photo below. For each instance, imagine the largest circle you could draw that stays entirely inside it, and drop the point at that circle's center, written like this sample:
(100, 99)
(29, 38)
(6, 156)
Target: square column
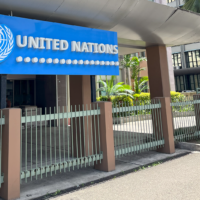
(158, 71)
(10, 189)
(80, 95)
(160, 88)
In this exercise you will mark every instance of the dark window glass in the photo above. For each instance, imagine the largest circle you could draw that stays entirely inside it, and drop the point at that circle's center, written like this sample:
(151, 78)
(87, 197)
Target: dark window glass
(176, 60)
(169, 1)
(179, 83)
(192, 59)
(23, 92)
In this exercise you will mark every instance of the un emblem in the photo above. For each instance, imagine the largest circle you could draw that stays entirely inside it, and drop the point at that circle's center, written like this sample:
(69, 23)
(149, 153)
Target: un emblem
(6, 42)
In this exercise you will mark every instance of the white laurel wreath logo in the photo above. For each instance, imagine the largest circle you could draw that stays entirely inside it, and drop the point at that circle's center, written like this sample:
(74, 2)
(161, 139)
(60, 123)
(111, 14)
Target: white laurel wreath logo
(9, 43)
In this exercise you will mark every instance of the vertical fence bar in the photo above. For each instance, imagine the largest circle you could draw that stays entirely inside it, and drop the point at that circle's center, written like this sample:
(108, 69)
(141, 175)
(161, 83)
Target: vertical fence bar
(76, 138)
(99, 134)
(68, 139)
(88, 135)
(80, 139)
(41, 142)
(45, 140)
(59, 143)
(91, 132)
(55, 140)
(36, 143)
(50, 139)
(63, 137)
(31, 144)
(26, 145)
(95, 137)
(72, 138)
(84, 136)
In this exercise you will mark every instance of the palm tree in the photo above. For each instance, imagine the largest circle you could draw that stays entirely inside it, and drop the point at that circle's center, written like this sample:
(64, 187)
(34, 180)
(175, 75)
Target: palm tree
(193, 5)
(135, 68)
(117, 89)
(140, 85)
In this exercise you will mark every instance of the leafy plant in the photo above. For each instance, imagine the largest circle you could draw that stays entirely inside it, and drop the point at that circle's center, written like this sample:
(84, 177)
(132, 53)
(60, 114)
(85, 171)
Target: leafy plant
(193, 5)
(140, 86)
(117, 89)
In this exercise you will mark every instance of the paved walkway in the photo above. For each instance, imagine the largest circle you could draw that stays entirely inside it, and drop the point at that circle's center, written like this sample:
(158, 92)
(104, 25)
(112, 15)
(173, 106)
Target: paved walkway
(172, 180)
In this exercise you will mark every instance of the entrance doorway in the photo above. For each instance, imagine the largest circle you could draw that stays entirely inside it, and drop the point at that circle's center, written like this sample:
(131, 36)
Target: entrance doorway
(21, 92)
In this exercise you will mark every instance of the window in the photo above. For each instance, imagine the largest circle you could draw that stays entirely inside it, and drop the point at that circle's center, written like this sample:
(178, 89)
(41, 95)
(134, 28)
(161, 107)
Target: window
(176, 60)
(179, 83)
(142, 54)
(192, 59)
(169, 1)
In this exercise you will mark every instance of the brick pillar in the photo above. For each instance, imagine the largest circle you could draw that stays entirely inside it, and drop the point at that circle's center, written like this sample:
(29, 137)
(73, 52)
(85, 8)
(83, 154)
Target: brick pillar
(106, 137)
(160, 88)
(167, 126)
(10, 189)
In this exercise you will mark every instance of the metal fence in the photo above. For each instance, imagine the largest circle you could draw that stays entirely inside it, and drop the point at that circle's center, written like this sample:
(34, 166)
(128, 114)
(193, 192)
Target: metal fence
(137, 127)
(49, 145)
(186, 119)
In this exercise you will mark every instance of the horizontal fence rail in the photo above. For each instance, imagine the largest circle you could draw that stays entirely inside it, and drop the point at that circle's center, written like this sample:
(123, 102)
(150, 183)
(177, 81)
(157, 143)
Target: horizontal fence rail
(49, 145)
(186, 119)
(137, 127)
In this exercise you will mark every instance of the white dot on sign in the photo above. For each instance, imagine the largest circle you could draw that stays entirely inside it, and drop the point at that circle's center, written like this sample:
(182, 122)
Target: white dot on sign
(68, 61)
(96, 62)
(112, 63)
(62, 61)
(74, 62)
(19, 59)
(34, 60)
(80, 62)
(41, 60)
(55, 61)
(86, 62)
(49, 60)
(116, 63)
(102, 63)
(107, 63)
(91, 62)
(27, 59)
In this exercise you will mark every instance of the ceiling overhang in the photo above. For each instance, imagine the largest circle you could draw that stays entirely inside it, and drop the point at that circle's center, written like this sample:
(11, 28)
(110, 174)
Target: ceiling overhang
(139, 23)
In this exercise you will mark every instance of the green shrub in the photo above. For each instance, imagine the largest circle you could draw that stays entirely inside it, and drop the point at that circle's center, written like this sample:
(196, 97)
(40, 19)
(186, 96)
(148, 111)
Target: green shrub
(142, 96)
(177, 97)
(105, 98)
(102, 98)
(122, 101)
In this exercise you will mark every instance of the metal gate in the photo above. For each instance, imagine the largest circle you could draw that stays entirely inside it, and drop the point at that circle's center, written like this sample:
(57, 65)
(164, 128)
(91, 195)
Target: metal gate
(137, 127)
(49, 145)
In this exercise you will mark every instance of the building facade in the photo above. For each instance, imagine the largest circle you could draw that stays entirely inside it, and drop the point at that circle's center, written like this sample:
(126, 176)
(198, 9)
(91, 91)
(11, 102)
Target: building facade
(186, 61)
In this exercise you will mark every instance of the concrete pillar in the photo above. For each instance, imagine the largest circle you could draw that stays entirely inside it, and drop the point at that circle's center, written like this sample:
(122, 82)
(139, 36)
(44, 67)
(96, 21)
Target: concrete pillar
(80, 94)
(160, 88)
(106, 138)
(171, 69)
(10, 189)
(158, 71)
(3, 85)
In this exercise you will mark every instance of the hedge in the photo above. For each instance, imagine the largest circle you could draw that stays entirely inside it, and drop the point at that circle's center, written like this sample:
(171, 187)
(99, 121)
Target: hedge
(144, 97)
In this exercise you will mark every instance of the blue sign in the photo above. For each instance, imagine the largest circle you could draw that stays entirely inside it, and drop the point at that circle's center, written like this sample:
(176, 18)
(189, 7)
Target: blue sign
(38, 47)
